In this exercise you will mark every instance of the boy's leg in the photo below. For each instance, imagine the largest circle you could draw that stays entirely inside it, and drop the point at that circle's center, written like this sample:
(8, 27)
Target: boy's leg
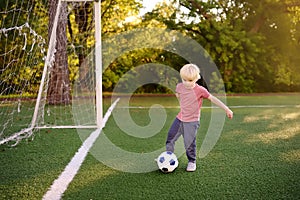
(189, 135)
(173, 134)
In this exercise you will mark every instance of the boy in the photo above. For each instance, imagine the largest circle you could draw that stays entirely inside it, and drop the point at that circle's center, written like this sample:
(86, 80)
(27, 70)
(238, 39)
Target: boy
(186, 122)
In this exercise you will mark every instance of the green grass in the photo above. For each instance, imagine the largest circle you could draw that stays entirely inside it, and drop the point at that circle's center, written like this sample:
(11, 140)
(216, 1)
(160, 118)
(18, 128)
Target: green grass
(256, 157)
(27, 170)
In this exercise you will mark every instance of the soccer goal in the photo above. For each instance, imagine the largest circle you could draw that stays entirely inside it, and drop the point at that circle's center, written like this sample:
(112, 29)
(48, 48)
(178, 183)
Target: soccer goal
(50, 66)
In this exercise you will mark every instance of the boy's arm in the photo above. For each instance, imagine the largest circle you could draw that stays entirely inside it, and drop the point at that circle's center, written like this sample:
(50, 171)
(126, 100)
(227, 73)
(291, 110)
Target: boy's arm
(219, 103)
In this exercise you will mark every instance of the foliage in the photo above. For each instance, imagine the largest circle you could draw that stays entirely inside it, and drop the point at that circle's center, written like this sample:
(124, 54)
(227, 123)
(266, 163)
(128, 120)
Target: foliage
(242, 39)
(23, 47)
(277, 21)
(254, 43)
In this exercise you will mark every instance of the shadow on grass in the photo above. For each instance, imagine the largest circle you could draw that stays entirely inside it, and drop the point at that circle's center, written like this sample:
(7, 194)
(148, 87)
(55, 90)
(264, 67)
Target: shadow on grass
(257, 157)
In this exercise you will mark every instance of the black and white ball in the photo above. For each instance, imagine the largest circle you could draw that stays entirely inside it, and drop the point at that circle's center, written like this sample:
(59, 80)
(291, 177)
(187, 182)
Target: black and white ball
(167, 162)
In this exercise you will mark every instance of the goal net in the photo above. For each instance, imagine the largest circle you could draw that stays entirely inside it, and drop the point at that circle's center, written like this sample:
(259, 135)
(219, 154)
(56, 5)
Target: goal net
(48, 64)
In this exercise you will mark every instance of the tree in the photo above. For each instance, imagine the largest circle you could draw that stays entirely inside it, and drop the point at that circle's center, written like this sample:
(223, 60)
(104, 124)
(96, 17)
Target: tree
(59, 84)
(277, 22)
(81, 41)
(253, 42)
(20, 38)
(229, 46)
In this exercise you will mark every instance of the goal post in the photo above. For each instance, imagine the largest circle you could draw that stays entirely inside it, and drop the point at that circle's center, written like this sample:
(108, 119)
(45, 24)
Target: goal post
(23, 80)
(50, 55)
(98, 64)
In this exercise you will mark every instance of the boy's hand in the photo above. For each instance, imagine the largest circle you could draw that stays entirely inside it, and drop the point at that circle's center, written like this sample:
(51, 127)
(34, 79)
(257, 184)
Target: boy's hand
(229, 113)
(219, 103)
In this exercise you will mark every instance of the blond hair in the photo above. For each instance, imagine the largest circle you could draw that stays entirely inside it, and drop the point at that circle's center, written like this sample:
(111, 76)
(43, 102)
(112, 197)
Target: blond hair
(190, 72)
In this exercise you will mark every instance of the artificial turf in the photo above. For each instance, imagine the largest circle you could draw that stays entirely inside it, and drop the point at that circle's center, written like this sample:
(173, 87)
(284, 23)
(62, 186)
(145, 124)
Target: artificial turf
(256, 157)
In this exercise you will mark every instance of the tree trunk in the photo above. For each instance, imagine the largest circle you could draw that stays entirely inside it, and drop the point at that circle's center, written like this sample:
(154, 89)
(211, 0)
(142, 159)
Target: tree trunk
(82, 14)
(59, 83)
(258, 24)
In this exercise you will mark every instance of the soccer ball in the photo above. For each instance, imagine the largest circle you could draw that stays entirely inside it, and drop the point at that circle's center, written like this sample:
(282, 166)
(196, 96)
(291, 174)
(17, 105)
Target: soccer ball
(167, 162)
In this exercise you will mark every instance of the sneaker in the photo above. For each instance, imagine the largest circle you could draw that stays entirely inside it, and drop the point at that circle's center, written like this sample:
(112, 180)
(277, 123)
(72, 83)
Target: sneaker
(191, 167)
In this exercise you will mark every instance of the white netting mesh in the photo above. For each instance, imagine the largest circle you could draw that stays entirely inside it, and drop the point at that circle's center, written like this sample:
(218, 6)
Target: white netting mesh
(29, 59)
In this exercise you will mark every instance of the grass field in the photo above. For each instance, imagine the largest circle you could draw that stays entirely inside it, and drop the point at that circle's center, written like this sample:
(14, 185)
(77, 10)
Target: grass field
(256, 157)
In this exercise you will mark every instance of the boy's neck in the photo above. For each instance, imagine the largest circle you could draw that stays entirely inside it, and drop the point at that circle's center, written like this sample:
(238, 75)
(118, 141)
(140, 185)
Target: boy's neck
(191, 87)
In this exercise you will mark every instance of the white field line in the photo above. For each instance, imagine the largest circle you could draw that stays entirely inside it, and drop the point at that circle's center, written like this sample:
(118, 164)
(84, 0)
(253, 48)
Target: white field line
(206, 107)
(60, 185)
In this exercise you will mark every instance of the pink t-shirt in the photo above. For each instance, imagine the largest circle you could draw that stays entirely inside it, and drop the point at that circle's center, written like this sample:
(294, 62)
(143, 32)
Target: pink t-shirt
(190, 102)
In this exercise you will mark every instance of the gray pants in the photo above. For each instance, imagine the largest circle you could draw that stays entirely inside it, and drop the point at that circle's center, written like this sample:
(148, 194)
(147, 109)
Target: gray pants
(189, 131)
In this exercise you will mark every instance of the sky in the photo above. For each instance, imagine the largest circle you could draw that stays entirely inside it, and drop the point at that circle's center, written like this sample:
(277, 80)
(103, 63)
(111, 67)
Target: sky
(149, 5)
